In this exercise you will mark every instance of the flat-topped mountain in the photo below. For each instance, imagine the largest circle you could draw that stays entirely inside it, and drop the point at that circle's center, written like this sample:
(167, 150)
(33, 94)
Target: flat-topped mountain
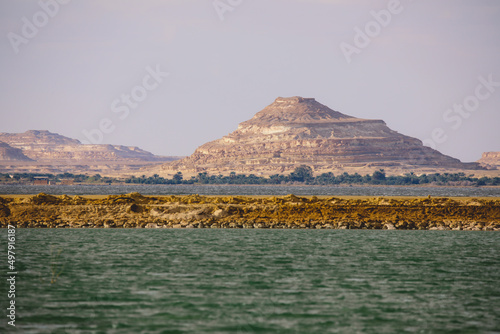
(490, 160)
(293, 131)
(48, 146)
(46, 152)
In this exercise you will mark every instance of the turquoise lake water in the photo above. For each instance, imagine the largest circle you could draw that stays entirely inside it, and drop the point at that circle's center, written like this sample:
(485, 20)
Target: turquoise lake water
(254, 281)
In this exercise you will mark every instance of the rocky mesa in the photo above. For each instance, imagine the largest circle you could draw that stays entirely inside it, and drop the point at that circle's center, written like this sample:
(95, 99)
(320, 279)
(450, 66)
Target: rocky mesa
(296, 130)
(44, 145)
(42, 151)
(490, 160)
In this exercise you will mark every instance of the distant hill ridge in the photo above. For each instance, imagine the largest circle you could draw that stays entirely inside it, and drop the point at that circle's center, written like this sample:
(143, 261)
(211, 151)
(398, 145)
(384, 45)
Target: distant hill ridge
(9, 153)
(42, 145)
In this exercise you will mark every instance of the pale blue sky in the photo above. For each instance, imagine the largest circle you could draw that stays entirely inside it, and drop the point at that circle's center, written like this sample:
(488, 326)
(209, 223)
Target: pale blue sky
(221, 72)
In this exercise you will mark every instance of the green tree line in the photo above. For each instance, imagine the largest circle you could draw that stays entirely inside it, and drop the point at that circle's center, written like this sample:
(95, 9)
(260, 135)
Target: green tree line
(301, 175)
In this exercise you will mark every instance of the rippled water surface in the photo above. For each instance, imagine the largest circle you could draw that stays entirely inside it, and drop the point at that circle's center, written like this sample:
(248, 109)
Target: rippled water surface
(231, 190)
(256, 281)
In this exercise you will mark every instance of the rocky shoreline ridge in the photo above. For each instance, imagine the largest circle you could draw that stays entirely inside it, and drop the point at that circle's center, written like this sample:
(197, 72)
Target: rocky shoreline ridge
(193, 211)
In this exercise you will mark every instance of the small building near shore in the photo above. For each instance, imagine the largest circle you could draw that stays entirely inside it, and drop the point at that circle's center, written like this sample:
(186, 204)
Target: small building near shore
(42, 181)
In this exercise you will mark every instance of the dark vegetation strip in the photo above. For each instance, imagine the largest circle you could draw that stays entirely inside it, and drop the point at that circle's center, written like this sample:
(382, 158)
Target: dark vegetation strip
(301, 175)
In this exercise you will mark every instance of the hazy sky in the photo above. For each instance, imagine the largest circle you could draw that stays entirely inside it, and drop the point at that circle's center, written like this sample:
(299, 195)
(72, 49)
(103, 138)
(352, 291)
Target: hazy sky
(88, 63)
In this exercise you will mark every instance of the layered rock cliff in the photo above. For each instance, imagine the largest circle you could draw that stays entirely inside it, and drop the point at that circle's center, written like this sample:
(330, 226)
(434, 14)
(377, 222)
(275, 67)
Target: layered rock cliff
(293, 131)
(46, 152)
(48, 146)
(490, 160)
